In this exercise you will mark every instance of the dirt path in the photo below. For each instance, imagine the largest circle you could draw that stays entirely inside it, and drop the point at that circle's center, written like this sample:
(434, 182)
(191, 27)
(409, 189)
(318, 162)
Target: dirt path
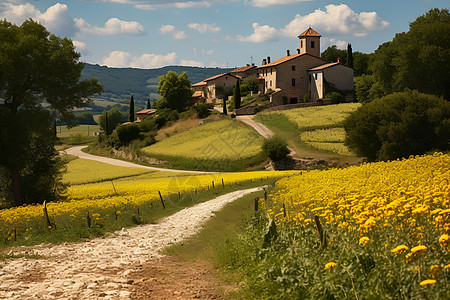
(260, 128)
(117, 162)
(124, 265)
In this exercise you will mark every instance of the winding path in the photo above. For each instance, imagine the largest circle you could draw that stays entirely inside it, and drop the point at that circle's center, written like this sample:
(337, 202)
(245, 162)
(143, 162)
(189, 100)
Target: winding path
(117, 162)
(101, 268)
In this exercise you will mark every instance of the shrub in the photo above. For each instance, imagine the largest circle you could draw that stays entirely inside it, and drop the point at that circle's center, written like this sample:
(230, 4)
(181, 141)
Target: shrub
(399, 125)
(128, 132)
(335, 97)
(275, 148)
(203, 110)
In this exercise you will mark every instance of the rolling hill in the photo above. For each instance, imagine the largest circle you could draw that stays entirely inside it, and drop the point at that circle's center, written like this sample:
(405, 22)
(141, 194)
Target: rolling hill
(120, 83)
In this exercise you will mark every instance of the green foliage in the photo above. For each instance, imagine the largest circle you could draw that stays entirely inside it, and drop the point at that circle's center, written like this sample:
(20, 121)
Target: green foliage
(275, 148)
(85, 118)
(128, 132)
(131, 110)
(175, 90)
(249, 84)
(336, 98)
(114, 117)
(237, 95)
(165, 115)
(332, 53)
(149, 105)
(203, 109)
(418, 59)
(399, 125)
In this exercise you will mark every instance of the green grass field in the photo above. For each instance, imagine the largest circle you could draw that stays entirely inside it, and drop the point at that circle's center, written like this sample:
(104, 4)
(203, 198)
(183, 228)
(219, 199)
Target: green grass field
(313, 131)
(223, 145)
(83, 130)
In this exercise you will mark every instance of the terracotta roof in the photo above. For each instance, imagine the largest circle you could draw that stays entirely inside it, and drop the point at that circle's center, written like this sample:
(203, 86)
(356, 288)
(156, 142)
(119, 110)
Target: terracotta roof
(309, 32)
(287, 58)
(199, 83)
(221, 75)
(197, 94)
(242, 69)
(146, 112)
(326, 66)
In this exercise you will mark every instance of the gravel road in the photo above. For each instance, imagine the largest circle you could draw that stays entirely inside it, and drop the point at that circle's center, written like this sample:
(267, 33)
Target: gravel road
(101, 268)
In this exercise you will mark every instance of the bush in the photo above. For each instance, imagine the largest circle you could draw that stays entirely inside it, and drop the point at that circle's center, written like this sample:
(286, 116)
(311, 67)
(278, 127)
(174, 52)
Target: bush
(275, 148)
(165, 115)
(128, 132)
(203, 109)
(399, 125)
(335, 97)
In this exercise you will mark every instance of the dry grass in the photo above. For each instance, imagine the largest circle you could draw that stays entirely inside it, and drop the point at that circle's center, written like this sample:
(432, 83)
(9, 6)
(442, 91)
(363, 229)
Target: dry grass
(177, 127)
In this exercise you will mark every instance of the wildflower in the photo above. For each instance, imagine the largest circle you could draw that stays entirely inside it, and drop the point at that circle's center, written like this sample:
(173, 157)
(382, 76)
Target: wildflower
(419, 249)
(330, 266)
(364, 241)
(399, 249)
(427, 282)
(434, 270)
(447, 268)
(444, 241)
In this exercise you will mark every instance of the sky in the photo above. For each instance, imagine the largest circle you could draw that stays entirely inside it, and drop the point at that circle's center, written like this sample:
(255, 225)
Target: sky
(215, 33)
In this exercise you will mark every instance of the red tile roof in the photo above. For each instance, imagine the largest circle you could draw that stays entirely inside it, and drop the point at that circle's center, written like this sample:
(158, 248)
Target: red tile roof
(318, 68)
(199, 83)
(242, 69)
(149, 111)
(220, 75)
(287, 58)
(197, 94)
(309, 32)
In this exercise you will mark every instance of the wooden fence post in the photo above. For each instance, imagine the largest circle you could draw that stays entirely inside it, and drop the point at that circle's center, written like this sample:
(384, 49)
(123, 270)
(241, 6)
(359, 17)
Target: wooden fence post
(162, 201)
(88, 219)
(284, 210)
(47, 219)
(213, 184)
(223, 184)
(256, 201)
(114, 187)
(320, 232)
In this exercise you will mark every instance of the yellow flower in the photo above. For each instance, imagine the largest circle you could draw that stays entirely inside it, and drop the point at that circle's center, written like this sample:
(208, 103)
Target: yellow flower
(434, 270)
(399, 249)
(364, 241)
(444, 241)
(419, 249)
(447, 268)
(330, 266)
(428, 282)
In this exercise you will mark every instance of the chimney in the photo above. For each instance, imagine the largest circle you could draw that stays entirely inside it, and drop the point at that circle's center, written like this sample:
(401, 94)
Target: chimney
(248, 65)
(264, 62)
(298, 51)
(253, 64)
(288, 53)
(268, 59)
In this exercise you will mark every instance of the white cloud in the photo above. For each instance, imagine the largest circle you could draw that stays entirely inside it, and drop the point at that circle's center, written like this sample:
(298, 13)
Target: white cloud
(327, 42)
(170, 29)
(112, 26)
(191, 63)
(56, 18)
(162, 4)
(202, 52)
(81, 47)
(122, 59)
(260, 34)
(265, 3)
(338, 19)
(203, 28)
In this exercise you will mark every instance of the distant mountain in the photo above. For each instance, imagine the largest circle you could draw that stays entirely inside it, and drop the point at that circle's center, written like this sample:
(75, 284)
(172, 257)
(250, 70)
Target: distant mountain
(120, 83)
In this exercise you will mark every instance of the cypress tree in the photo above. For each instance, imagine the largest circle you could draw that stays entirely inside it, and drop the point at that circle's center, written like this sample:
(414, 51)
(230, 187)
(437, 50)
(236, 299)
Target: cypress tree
(237, 95)
(349, 56)
(225, 105)
(149, 105)
(106, 123)
(131, 110)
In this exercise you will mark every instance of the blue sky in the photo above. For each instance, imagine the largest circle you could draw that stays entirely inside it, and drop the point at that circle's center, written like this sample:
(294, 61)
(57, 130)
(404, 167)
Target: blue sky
(214, 33)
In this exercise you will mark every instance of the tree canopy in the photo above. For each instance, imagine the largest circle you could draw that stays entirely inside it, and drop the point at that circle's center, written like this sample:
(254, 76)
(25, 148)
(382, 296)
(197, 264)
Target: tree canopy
(36, 66)
(399, 125)
(175, 90)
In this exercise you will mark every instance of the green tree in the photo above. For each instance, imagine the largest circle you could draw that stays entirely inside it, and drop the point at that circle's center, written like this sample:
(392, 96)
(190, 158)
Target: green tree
(149, 105)
(131, 110)
(249, 84)
(418, 59)
(175, 90)
(349, 56)
(35, 66)
(237, 95)
(275, 148)
(110, 119)
(332, 53)
(399, 125)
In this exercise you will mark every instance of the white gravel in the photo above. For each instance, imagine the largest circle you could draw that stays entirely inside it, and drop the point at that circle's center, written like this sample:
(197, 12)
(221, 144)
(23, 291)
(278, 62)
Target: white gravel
(99, 268)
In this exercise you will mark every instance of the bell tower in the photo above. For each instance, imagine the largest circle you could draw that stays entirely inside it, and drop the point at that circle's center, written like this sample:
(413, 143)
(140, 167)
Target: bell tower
(310, 42)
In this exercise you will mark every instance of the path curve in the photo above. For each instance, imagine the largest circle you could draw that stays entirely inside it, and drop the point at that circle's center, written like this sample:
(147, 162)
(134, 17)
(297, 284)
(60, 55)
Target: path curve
(101, 268)
(121, 163)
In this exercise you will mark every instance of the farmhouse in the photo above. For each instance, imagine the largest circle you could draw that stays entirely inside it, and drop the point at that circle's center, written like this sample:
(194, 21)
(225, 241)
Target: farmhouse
(302, 76)
(144, 113)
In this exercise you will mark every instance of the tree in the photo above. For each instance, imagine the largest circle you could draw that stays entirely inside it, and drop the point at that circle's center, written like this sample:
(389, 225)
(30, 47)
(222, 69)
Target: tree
(349, 56)
(332, 53)
(249, 84)
(237, 95)
(418, 59)
(110, 119)
(131, 110)
(149, 105)
(175, 90)
(275, 148)
(35, 66)
(399, 125)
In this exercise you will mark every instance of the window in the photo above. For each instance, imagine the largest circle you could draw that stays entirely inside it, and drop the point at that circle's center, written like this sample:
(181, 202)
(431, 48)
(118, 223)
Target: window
(270, 71)
(315, 76)
(271, 83)
(293, 81)
(313, 44)
(293, 68)
(301, 43)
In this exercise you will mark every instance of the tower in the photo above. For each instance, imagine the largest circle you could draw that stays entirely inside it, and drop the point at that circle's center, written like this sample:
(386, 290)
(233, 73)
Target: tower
(310, 42)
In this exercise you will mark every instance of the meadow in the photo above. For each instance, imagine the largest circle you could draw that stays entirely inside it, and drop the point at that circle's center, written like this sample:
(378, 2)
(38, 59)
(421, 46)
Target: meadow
(224, 145)
(319, 127)
(105, 204)
(374, 231)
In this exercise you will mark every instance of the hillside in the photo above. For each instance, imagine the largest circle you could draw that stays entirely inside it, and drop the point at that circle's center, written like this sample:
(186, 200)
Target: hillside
(120, 83)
